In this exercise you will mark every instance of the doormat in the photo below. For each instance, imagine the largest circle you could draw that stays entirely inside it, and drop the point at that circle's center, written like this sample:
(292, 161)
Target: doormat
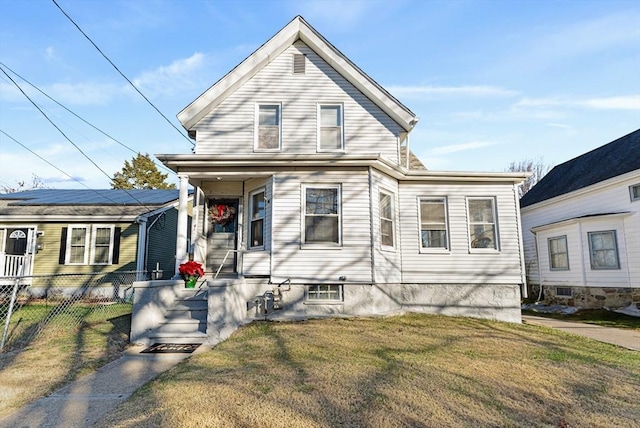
(171, 348)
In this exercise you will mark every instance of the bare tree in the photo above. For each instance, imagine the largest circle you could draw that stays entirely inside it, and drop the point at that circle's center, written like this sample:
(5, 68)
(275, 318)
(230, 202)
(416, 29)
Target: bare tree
(536, 167)
(36, 183)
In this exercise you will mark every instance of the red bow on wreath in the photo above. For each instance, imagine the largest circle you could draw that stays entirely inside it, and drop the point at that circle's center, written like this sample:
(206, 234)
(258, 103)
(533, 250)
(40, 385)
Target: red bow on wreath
(222, 214)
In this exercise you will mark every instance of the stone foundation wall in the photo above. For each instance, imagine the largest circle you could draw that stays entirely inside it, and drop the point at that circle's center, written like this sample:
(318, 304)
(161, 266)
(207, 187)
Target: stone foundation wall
(594, 297)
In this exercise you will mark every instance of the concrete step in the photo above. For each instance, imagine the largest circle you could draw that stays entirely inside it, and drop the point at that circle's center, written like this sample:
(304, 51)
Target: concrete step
(168, 337)
(182, 325)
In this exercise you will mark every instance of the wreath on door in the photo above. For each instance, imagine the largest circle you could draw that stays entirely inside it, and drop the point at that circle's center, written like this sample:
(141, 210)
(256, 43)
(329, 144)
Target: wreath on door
(221, 214)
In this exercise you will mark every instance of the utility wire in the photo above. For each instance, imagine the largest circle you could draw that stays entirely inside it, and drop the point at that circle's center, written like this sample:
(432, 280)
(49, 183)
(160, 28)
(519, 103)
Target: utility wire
(85, 121)
(68, 139)
(121, 73)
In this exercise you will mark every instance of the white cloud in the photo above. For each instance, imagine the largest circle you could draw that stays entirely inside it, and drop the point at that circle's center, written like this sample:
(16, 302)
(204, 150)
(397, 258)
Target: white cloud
(171, 79)
(455, 148)
(464, 91)
(623, 102)
(84, 93)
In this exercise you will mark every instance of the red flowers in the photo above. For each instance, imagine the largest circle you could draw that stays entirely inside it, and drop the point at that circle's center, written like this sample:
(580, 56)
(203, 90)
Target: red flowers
(191, 269)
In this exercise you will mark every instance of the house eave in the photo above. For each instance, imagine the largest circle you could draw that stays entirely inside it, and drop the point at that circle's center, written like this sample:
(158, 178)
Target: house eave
(297, 29)
(574, 220)
(68, 219)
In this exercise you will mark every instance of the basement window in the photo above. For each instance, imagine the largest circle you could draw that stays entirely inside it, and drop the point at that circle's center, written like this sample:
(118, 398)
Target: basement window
(564, 292)
(322, 293)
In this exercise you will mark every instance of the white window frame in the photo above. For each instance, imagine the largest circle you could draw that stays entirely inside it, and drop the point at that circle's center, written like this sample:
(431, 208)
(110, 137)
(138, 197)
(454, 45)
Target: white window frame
(319, 127)
(94, 235)
(325, 244)
(471, 224)
(87, 243)
(590, 236)
(252, 219)
(434, 199)
(256, 140)
(634, 192)
(551, 253)
(392, 219)
(315, 292)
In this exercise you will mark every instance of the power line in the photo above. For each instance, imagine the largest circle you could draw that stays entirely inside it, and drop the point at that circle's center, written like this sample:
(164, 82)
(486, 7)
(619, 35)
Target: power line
(121, 73)
(73, 113)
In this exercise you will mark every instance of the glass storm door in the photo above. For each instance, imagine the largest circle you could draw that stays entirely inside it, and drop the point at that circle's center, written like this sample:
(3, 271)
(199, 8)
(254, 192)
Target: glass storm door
(222, 237)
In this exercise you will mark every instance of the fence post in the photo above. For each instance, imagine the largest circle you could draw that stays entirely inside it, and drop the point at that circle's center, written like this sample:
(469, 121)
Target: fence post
(14, 295)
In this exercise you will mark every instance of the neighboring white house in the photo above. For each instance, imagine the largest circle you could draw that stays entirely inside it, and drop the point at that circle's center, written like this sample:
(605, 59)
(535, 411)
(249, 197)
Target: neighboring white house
(306, 185)
(581, 227)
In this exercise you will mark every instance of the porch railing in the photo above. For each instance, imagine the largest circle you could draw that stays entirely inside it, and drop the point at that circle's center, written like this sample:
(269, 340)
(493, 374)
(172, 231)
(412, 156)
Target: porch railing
(14, 265)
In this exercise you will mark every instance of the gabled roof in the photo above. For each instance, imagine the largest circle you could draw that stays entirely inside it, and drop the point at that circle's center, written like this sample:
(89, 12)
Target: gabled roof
(297, 29)
(611, 160)
(83, 202)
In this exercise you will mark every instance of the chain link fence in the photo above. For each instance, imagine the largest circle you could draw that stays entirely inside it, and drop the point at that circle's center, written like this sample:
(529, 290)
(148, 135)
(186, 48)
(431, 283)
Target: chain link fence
(31, 305)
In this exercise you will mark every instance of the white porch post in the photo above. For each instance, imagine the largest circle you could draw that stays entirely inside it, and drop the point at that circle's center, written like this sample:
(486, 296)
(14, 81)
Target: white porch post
(181, 235)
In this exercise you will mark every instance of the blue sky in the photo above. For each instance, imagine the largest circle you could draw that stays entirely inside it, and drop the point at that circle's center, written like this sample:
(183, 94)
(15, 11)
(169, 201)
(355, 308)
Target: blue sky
(492, 81)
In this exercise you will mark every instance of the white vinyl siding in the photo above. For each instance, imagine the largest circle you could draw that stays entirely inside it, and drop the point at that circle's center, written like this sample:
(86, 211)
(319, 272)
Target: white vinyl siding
(460, 265)
(322, 263)
(575, 215)
(434, 231)
(230, 125)
(387, 219)
(558, 253)
(387, 261)
(483, 228)
(257, 261)
(330, 128)
(102, 244)
(268, 130)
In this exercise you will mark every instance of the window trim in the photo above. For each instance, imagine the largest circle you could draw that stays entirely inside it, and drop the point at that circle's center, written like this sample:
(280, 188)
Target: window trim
(496, 234)
(631, 188)
(310, 301)
(87, 243)
(256, 132)
(305, 187)
(392, 220)
(94, 229)
(251, 219)
(319, 127)
(447, 247)
(617, 250)
(566, 245)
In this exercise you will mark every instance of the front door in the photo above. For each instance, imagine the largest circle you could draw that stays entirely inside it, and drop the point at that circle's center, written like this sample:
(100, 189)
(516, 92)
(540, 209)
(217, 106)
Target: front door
(222, 236)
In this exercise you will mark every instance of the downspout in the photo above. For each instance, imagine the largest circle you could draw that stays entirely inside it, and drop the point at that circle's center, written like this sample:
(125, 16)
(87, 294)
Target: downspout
(141, 258)
(372, 230)
(523, 267)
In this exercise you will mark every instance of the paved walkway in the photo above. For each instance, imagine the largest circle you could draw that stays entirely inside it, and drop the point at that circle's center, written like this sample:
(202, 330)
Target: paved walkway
(90, 398)
(625, 338)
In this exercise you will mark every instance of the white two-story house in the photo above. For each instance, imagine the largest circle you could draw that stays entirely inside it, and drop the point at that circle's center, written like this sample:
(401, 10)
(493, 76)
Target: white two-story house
(309, 200)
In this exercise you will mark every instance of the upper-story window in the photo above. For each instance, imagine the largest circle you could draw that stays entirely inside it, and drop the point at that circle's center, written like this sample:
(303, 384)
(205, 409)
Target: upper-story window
(483, 231)
(257, 209)
(268, 130)
(634, 191)
(330, 128)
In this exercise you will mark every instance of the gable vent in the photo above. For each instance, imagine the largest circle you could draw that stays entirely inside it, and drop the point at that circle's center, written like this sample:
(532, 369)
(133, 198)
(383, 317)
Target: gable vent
(298, 63)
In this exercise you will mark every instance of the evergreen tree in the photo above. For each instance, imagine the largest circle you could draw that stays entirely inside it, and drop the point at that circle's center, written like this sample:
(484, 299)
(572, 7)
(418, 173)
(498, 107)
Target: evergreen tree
(140, 173)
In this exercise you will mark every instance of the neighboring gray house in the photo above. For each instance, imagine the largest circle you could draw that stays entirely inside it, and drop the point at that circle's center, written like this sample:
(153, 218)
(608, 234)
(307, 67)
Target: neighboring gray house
(53, 231)
(581, 227)
(309, 200)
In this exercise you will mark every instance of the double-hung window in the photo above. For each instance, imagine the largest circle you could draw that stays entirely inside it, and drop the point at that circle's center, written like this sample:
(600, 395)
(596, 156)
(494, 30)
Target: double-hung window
(268, 129)
(603, 250)
(634, 192)
(433, 223)
(102, 244)
(330, 128)
(257, 210)
(321, 214)
(558, 253)
(483, 232)
(77, 245)
(386, 219)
